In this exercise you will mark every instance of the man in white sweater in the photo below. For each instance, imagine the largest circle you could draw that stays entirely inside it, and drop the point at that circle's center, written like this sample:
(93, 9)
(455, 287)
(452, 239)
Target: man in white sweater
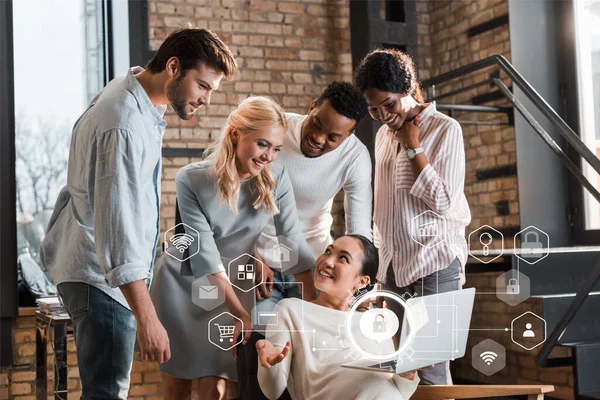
(322, 156)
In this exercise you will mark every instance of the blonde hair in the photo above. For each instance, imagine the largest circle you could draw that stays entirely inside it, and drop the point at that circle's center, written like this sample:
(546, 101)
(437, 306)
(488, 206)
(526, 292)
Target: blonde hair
(251, 115)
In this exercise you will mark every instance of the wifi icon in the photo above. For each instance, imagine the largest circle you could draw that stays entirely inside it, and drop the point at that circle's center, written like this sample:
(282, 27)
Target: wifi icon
(182, 241)
(488, 357)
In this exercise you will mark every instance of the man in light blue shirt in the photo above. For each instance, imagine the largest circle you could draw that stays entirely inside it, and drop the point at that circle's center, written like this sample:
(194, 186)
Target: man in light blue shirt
(101, 240)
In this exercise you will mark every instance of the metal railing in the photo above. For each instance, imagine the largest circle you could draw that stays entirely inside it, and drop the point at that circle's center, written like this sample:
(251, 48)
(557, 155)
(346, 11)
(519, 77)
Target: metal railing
(565, 131)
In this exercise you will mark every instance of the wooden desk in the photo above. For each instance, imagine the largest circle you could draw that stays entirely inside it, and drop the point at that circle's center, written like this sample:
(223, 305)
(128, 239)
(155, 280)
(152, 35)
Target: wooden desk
(58, 328)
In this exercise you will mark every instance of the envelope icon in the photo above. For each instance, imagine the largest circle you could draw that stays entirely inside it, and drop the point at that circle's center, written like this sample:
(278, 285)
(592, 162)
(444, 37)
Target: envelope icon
(208, 292)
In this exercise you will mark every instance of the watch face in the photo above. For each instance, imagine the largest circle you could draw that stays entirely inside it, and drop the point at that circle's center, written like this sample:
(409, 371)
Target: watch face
(410, 153)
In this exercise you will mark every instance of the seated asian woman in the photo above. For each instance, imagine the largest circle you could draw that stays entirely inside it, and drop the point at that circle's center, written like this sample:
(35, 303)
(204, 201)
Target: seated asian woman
(289, 357)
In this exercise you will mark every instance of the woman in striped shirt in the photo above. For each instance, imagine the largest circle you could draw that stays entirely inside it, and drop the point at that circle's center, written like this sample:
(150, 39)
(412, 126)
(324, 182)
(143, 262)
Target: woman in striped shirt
(420, 210)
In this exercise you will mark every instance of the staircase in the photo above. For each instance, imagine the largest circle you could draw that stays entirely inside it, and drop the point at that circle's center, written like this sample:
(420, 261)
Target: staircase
(555, 280)
(567, 281)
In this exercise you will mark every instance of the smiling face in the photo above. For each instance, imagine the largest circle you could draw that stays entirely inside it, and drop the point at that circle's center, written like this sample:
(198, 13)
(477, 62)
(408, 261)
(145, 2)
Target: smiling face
(324, 130)
(255, 150)
(392, 109)
(339, 268)
(189, 91)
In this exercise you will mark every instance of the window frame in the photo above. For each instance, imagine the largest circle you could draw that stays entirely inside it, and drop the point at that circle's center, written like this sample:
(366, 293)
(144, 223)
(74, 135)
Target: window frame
(571, 114)
(8, 191)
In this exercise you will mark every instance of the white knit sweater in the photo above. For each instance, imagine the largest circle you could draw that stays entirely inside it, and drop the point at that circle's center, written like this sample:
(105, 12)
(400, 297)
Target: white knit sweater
(312, 370)
(316, 181)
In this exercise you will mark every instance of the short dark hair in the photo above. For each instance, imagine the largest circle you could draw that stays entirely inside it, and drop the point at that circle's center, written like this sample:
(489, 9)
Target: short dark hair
(370, 257)
(192, 47)
(345, 99)
(388, 70)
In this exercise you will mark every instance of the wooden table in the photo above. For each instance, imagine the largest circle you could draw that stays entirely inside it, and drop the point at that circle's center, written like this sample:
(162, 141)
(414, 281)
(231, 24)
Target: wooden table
(60, 327)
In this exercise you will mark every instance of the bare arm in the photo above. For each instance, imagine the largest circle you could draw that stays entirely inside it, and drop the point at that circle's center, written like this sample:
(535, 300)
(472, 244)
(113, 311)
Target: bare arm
(152, 336)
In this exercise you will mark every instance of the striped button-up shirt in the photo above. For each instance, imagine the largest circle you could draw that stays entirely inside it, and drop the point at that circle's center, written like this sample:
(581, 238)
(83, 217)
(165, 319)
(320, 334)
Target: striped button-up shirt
(419, 221)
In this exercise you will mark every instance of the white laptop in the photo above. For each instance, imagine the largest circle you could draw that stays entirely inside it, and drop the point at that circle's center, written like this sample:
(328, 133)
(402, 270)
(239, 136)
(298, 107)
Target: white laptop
(442, 323)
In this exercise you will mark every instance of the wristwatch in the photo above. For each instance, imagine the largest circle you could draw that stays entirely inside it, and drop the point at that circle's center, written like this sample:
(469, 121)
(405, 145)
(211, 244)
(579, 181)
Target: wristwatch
(412, 153)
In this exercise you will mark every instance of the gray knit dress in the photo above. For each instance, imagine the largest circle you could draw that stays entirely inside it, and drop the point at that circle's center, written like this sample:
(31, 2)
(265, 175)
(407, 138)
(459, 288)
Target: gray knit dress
(223, 237)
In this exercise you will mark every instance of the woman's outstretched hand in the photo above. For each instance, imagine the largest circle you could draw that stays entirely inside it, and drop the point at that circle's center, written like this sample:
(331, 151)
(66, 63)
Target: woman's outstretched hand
(268, 355)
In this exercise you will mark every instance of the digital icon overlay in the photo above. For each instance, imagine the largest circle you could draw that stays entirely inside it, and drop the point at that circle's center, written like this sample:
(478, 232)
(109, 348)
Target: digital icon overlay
(241, 272)
(372, 324)
(282, 251)
(528, 330)
(379, 324)
(206, 294)
(181, 242)
(513, 287)
(221, 331)
(491, 242)
(488, 357)
(428, 229)
(531, 245)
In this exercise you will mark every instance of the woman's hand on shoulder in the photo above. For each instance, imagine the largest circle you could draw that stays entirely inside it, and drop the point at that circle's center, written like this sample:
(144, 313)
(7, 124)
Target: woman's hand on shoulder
(268, 355)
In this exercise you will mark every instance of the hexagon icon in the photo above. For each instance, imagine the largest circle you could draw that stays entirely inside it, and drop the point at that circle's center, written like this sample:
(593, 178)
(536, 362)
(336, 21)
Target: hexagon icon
(221, 329)
(428, 229)
(483, 236)
(534, 244)
(528, 330)
(264, 316)
(242, 272)
(513, 287)
(264, 319)
(280, 252)
(182, 242)
(206, 294)
(488, 357)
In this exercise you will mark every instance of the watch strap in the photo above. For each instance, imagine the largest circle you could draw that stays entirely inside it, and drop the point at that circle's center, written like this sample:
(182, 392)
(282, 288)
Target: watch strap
(413, 152)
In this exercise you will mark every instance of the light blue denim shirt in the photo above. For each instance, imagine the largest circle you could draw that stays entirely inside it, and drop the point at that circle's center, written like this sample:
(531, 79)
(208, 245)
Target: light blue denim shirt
(105, 225)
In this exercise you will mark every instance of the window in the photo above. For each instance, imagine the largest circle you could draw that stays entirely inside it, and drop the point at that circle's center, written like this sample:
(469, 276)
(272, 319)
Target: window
(63, 56)
(59, 55)
(587, 52)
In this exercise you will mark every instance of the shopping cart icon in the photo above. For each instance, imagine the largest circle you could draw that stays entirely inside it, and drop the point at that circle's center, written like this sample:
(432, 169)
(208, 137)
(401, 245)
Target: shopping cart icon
(226, 332)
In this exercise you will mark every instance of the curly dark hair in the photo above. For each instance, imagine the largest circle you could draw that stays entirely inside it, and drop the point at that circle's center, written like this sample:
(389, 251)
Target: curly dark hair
(345, 99)
(192, 47)
(388, 70)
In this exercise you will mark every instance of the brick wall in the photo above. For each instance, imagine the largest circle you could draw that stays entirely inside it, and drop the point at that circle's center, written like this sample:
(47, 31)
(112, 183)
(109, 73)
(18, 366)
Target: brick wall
(18, 381)
(444, 46)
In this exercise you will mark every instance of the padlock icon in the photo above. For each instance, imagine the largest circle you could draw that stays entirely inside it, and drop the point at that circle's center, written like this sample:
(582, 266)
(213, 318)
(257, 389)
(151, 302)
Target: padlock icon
(379, 325)
(531, 248)
(513, 286)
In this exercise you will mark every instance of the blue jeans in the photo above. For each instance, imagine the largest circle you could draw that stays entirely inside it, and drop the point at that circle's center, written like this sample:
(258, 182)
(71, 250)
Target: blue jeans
(284, 287)
(105, 334)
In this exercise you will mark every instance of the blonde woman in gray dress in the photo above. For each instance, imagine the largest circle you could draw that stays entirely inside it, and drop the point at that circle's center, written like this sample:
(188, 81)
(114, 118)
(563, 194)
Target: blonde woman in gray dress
(228, 199)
